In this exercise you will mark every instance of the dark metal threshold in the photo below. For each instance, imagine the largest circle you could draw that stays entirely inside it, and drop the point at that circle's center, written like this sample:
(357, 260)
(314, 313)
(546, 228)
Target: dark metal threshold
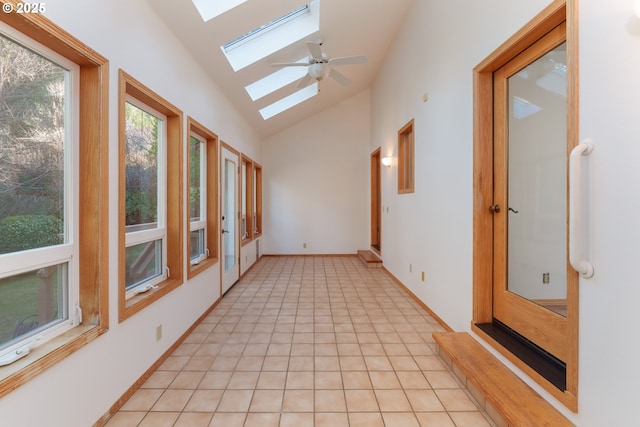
(551, 368)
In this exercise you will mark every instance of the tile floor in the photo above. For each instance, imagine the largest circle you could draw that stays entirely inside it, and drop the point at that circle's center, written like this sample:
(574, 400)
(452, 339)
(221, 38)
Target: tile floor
(307, 341)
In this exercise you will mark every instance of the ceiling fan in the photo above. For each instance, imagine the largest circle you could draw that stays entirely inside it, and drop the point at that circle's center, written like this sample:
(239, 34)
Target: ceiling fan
(321, 66)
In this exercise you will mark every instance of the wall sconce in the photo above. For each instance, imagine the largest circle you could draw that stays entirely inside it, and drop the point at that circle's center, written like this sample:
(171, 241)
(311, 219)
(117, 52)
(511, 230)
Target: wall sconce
(386, 161)
(636, 7)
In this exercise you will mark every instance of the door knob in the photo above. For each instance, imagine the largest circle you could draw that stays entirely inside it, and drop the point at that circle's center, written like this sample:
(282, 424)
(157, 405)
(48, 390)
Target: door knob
(224, 231)
(494, 208)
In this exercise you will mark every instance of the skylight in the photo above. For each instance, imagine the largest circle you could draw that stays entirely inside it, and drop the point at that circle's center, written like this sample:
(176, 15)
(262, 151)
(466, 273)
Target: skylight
(275, 81)
(289, 101)
(273, 36)
(209, 9)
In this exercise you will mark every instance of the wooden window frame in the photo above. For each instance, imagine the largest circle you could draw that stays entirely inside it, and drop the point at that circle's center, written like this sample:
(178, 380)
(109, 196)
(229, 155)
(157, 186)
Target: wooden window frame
(552, 16)
(93, 238)
(406, 159)
(128, 86)
(212, 231)
(257, 208)
(246, 203)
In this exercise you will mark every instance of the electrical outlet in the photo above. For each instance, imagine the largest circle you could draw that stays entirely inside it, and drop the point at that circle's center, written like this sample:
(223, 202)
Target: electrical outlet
(304, 245)
(159, 332)
(423, 276)
(545, 278)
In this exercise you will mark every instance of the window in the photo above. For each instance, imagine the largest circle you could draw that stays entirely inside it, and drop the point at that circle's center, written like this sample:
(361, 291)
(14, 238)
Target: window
(53, 266)
(38, 220)
(203, 198)
(246, 199)
(197, 198)
(150, 196)
(406, 159)
(145, 225)
(257, 200)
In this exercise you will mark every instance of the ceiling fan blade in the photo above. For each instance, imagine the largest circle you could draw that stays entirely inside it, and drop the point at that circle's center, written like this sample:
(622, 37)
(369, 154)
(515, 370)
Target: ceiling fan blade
(348, 60)
(303, 81)
(339, 77)
(290, 64)
(316, 51)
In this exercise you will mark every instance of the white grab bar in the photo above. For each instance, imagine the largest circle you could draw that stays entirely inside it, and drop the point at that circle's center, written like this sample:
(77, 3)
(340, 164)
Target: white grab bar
(577, 216)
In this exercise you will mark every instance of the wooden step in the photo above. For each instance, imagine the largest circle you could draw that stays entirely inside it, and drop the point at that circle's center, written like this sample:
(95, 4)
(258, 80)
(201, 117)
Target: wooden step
(370, 259)
(509, 396)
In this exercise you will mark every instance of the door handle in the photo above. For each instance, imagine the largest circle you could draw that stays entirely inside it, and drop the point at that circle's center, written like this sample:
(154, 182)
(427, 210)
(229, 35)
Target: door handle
(494, 208)
(224, 231)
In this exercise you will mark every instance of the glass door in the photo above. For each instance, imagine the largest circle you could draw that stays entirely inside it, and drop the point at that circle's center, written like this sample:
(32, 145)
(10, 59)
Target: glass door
(530, 194)
(229, 221)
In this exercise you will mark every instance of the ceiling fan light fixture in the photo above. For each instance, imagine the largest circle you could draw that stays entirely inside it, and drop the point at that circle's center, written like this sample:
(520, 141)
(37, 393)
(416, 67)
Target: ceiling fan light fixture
(319, 71)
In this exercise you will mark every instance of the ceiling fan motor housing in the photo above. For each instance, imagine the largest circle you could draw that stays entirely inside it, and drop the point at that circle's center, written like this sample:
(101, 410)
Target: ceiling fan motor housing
(319, 71)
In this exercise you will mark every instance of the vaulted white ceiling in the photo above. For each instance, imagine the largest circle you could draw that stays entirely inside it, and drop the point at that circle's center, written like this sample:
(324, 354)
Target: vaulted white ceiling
(346, 28)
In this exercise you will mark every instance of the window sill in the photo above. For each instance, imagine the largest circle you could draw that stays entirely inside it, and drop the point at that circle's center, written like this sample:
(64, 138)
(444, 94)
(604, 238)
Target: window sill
(46, 355)
(131, 306)
(196, 269)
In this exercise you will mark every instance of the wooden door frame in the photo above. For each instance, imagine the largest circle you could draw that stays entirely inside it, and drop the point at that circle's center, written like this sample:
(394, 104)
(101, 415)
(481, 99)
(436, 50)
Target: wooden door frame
(376, 196)
(552, 16)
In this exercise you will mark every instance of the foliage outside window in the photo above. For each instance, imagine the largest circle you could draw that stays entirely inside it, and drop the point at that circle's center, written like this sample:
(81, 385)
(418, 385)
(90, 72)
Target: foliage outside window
(406, 160)
(150, 200)
(203, 198)
(53, 265)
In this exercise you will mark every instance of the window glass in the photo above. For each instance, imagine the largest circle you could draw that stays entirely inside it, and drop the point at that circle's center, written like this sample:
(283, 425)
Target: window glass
(142, 139)
(144, 212)
(36, 236)
(197, 200)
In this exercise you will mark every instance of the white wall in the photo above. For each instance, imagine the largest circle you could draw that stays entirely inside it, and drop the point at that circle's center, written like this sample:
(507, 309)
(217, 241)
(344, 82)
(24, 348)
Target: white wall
(316, 182)
(80, 389)
(435, 52)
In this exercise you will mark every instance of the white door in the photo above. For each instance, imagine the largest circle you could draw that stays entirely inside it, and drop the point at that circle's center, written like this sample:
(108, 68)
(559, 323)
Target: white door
(229, 221)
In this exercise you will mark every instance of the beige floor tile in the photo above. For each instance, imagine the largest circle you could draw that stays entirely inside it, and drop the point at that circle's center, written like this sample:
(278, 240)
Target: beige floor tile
(324, 380)
(215, 380)
(241, 380)
(424, 400)
(159, 419)
(272, 380)
(384, 380)
(172, 400)
(331, 420)
(298, 401)
(125, 419)
(300, 380)
(469, 419)
(400, 419)
(222, 419)
(361, 401)
(412, 380)
(356, 380)
(160, 379)
(434, 419)
(256, 419)
(392, 401)
(329, 401)
(187, 380)
(235, 401)
(368, 419)
(250, 363)
(456, 400)
(204, 401)
(430, 363)
(441, 379)
(193, 419)
(297, 420)
(142, 400)
(266, 401)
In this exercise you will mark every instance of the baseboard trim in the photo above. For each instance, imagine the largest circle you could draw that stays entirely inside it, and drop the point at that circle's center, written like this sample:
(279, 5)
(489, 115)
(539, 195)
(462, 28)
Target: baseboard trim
(419, 301)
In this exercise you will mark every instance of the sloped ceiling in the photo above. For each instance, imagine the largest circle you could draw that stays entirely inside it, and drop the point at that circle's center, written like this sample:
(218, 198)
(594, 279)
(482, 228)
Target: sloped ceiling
(347, 27)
